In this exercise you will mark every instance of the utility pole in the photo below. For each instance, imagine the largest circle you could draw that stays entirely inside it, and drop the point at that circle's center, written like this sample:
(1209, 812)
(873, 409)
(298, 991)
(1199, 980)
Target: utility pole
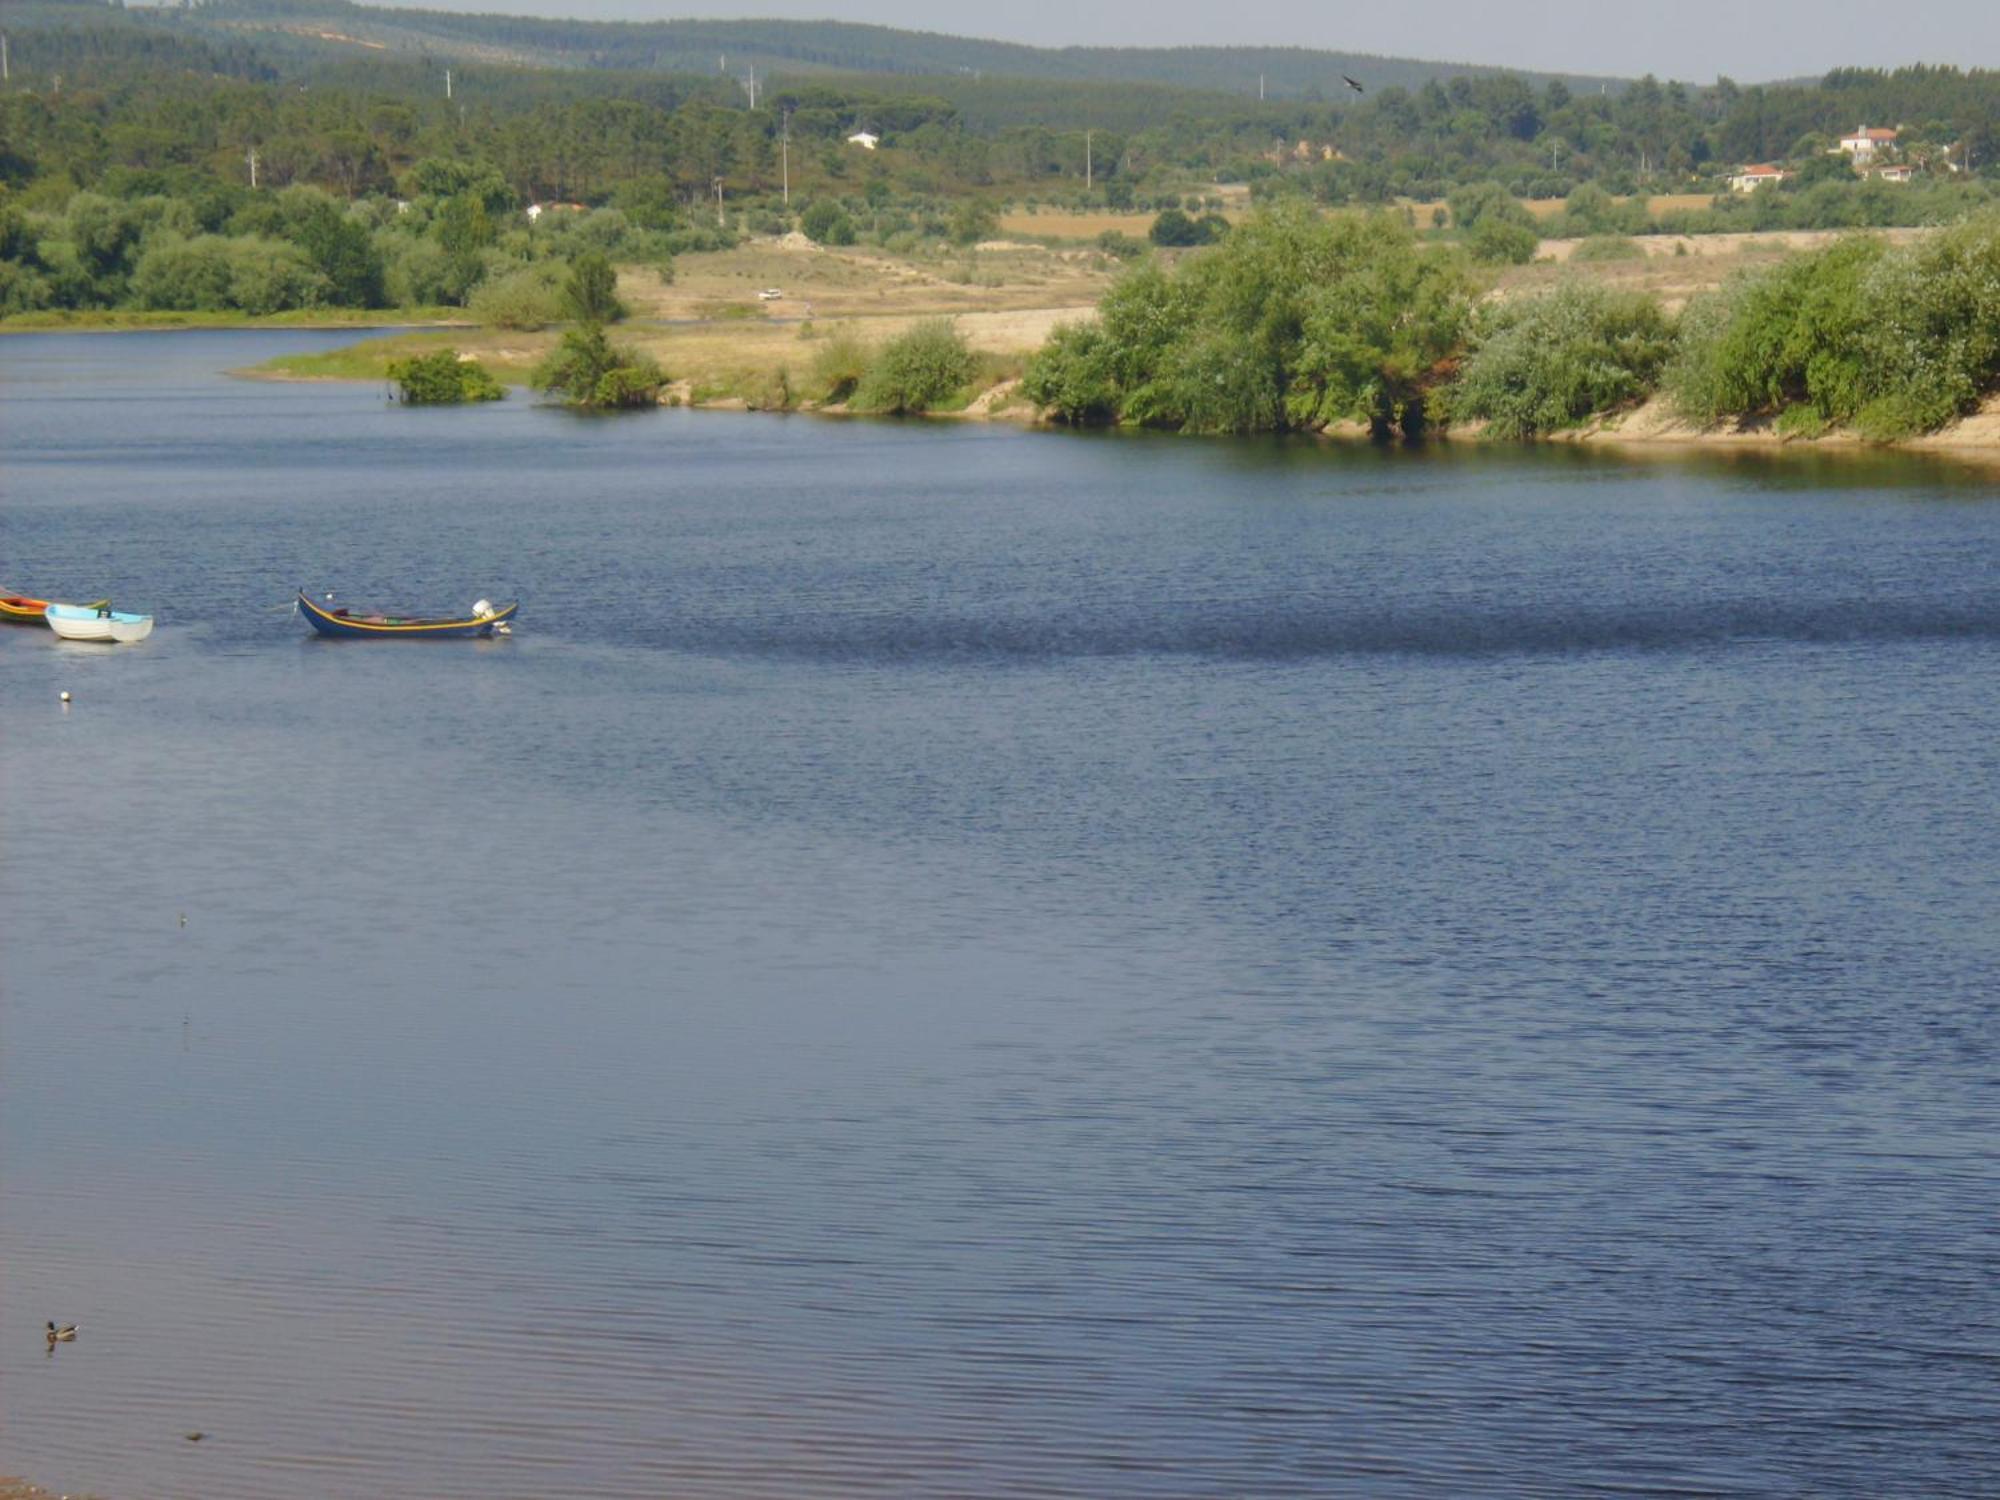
(251, 157)
(1260, 88)
(752, 86)
(720, 221)
(4, 73)
(447, 83)
(785, 156)
(1086, 161)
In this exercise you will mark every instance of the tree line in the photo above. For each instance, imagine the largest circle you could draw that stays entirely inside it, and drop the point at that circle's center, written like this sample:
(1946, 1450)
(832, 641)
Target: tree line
(1299, 321)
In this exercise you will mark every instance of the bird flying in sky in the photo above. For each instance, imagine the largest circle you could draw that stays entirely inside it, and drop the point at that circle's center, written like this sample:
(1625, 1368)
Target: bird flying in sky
(1352, 84)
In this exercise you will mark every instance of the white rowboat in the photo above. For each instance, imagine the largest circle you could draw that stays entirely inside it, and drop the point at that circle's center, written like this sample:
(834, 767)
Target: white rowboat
(75, 622)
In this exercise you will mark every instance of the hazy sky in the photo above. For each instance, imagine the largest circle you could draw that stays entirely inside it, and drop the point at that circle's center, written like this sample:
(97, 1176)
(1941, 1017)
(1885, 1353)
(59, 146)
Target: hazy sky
(1689, 39)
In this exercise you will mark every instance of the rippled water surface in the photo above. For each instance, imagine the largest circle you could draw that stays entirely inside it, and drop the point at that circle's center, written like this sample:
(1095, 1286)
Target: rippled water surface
(947, 961)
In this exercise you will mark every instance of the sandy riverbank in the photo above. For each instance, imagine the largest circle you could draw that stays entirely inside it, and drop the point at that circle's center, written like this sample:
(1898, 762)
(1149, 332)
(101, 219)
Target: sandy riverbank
(727, 346)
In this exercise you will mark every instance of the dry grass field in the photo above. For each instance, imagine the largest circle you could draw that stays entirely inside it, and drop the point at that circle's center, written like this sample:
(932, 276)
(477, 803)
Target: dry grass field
(1660, 203)
(1672, 267)
(1056, 224)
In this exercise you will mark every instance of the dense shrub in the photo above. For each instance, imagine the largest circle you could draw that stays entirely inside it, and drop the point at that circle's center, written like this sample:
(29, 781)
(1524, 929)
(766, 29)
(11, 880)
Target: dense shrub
(839, 365)
(1589, 210)
(628, 386)
(418, 272)
(1073, 378)
(1175, 228)
(529, 297)
(1497, 229)
(441, 378)
(917, 371)
(1546, 363)
(827, 223)
(184, 275)
(590, 292)
(973, 220)
(1291, 323)
(1934, 337)
(587, 370)
(1790, 337)
(1603, 247)
(1894, 342)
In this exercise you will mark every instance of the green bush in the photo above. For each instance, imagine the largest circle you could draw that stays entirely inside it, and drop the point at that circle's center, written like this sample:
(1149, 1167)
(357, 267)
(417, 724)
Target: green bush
(1603, 247)
(417, 271)
(827, 223)
(441, 378)
(1497, 229)
(839, 365)
(1293, 322)
(1550, 362)
(587, 370)
(1933, 339)
(628, 386)
(1073, 377)
(1503, 240)
(1890, 341)
(1174, 228)
(973, 220)
(527, 298)
(917, 371)
(184, 275)
(590, 292)
(1789, 336)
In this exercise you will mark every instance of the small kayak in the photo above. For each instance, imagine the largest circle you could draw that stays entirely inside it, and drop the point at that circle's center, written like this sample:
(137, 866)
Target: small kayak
(77, 622)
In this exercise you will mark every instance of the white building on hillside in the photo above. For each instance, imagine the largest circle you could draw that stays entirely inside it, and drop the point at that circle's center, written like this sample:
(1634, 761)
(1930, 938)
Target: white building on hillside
(1751, 178)
(867, 140)
(1865, 142)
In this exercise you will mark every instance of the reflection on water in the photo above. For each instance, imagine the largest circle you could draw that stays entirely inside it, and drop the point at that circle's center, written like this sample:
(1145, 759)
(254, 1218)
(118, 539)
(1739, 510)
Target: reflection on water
(946, 961)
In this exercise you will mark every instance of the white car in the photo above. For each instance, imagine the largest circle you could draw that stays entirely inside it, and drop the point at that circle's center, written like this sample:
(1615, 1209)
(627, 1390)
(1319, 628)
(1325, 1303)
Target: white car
(769, 294)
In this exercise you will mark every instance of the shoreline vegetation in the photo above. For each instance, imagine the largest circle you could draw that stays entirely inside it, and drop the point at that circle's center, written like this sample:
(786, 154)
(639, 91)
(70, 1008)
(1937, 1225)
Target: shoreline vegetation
(1831, 341)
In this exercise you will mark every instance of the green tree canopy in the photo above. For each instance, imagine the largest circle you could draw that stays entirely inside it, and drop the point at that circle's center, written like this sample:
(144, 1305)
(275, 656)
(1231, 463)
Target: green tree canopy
(590, 294)
(1294, 322)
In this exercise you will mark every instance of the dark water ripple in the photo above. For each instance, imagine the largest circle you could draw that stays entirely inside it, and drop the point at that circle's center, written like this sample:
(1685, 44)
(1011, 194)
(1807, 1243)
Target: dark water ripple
(946, 962)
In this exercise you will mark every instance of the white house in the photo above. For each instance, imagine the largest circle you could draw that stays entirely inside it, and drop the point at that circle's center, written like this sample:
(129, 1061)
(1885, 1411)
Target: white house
(1864, 142)
(1751, 178)
(867, 140)
(1901, 172)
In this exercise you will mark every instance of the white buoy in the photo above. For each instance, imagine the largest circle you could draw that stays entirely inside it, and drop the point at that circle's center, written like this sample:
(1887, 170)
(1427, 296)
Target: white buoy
(65, 696)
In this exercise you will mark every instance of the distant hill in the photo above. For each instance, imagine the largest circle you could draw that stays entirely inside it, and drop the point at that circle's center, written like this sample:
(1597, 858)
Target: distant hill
(795, 47)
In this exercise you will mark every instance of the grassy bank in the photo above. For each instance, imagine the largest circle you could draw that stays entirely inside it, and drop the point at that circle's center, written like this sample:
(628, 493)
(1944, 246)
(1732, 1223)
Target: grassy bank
(112, 320)
(724, 346)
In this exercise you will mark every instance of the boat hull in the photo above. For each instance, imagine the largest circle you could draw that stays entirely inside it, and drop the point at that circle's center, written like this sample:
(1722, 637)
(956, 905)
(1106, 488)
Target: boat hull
(19, 609)
(74, 622)
(349, 626)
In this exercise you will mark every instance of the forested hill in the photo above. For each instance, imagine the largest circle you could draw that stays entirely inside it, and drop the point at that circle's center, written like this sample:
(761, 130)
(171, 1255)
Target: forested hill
(832, 46)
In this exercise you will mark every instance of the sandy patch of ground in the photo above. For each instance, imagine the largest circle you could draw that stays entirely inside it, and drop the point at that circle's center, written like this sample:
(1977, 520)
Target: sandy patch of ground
(1979, 430)
(820, 282)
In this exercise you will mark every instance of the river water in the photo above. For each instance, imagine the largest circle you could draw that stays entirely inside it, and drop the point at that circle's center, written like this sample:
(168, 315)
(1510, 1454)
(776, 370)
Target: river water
(949, 961)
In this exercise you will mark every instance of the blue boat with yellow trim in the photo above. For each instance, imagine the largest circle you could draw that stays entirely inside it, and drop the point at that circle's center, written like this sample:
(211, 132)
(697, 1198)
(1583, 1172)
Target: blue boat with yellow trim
(485, 620)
